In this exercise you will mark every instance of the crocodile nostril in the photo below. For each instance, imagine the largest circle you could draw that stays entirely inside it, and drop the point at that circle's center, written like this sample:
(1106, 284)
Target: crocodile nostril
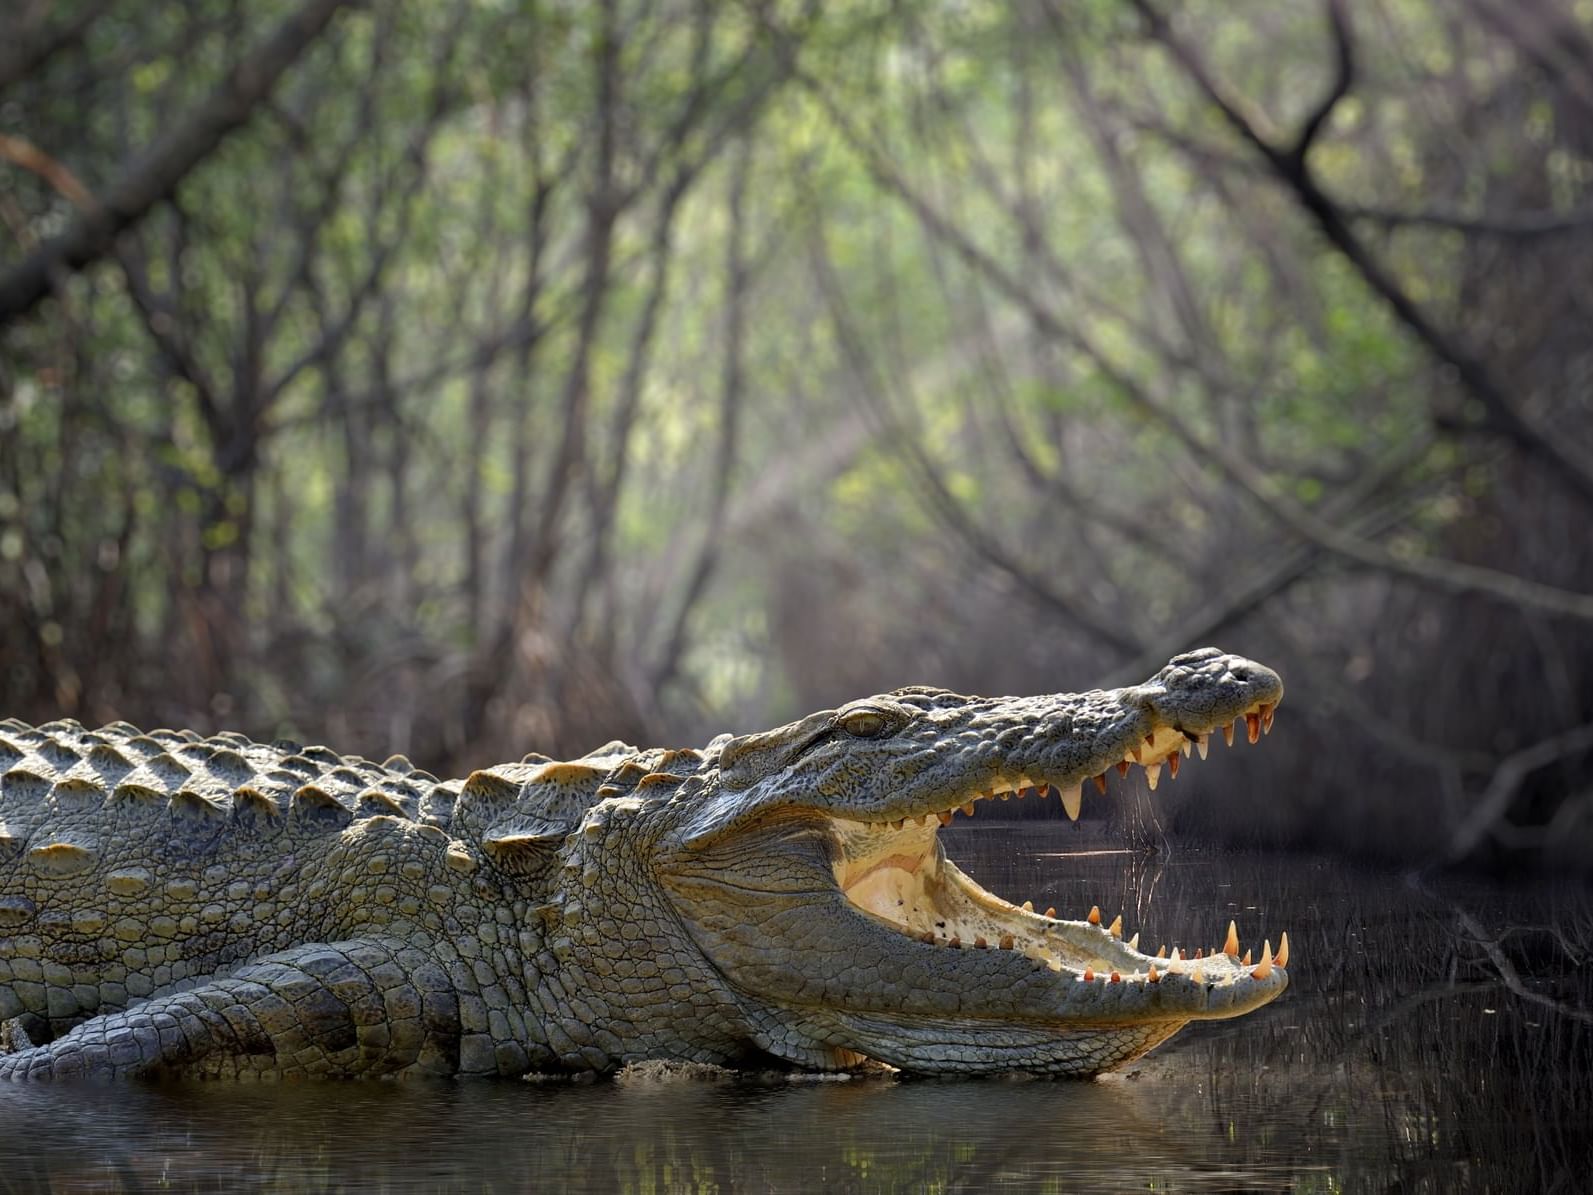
(1241, 673)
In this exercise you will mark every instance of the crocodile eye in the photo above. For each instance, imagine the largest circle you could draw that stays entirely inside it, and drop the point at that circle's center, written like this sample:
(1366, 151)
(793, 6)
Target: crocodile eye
(864, 724)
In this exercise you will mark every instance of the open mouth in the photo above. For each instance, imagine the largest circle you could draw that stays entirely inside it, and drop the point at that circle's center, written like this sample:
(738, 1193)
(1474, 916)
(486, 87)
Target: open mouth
(896, 872)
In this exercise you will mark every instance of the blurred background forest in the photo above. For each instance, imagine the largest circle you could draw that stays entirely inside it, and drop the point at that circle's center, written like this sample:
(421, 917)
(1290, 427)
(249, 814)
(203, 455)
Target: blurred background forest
(467, 377)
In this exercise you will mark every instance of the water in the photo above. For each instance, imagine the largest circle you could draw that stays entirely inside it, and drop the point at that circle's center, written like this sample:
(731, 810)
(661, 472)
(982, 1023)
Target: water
(1433, 1039)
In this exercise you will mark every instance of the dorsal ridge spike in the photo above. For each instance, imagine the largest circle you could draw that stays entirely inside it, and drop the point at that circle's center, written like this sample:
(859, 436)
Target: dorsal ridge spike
(315, 807)
(189, 805)
(250, 802)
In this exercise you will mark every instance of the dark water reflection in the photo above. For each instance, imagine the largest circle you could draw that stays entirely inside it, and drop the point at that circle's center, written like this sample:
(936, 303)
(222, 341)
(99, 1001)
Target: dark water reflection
(1433, 1040)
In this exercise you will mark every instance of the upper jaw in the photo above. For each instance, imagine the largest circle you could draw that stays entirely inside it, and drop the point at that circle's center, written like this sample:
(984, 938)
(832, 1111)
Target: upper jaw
(1141, 737)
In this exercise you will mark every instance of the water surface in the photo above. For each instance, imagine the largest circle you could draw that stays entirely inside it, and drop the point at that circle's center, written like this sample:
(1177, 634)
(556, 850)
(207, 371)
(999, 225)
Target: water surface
(1434, 1038)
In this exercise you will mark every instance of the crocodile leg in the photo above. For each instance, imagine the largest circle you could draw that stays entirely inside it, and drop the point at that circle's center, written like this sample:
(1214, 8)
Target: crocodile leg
(362, 1007)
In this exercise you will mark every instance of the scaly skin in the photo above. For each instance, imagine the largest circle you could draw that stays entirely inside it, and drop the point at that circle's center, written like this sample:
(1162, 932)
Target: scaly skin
(171, 905)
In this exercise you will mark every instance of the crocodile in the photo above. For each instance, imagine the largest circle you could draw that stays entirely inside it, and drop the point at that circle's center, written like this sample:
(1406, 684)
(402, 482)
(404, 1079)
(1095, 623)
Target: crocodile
(173, 905)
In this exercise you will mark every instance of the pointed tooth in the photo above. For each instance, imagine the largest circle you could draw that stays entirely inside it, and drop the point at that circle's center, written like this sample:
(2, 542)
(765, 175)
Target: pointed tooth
(1116, 978)
(1161, 951)
(1153, 976)
(1095, 915)
(1264, 968)
(1089, 976)
(1006, 942)
(1150, 740)
(1186, 746)
(1116, 928)
(980, 942)
(1201, 744)
(1282, 957)
(1137, 755)
(1227, 734)
(898, 823)
(1153, 775)
(1231, 946)
(1133, 943)
(1267, 712)
(968, 809)
(1172, 765)
(1043, 791)
(945, 817)
(1028, 906)
(1122, 767)
(1199, 953)
(1073, 801)
(1245, 962)
(1100, 783)
(1253, 727)
(1050, 911)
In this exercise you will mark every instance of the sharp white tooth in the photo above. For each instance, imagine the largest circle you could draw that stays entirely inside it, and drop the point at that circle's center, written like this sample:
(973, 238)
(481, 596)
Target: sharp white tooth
(1073, 801)
(1282, 957)
(1227, 734)
(1185, 747)
(945, 817)
(1201, 744)
(1265, 968)
(1028, 906)
(1231, 946)
(1116, 928)
(1133, 943)
(1153, 773)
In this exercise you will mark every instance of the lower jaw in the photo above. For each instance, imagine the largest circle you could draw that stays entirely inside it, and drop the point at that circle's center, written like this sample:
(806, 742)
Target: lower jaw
(924, 896)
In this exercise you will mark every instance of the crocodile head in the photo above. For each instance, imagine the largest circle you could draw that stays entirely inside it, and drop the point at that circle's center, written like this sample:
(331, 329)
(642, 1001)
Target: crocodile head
(807, 869)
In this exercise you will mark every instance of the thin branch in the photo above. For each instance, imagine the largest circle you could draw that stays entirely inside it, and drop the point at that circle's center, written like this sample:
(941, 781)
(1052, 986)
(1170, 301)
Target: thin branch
(1489, 812)
(21, 152)
(1343, 80)
(1516, 224)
